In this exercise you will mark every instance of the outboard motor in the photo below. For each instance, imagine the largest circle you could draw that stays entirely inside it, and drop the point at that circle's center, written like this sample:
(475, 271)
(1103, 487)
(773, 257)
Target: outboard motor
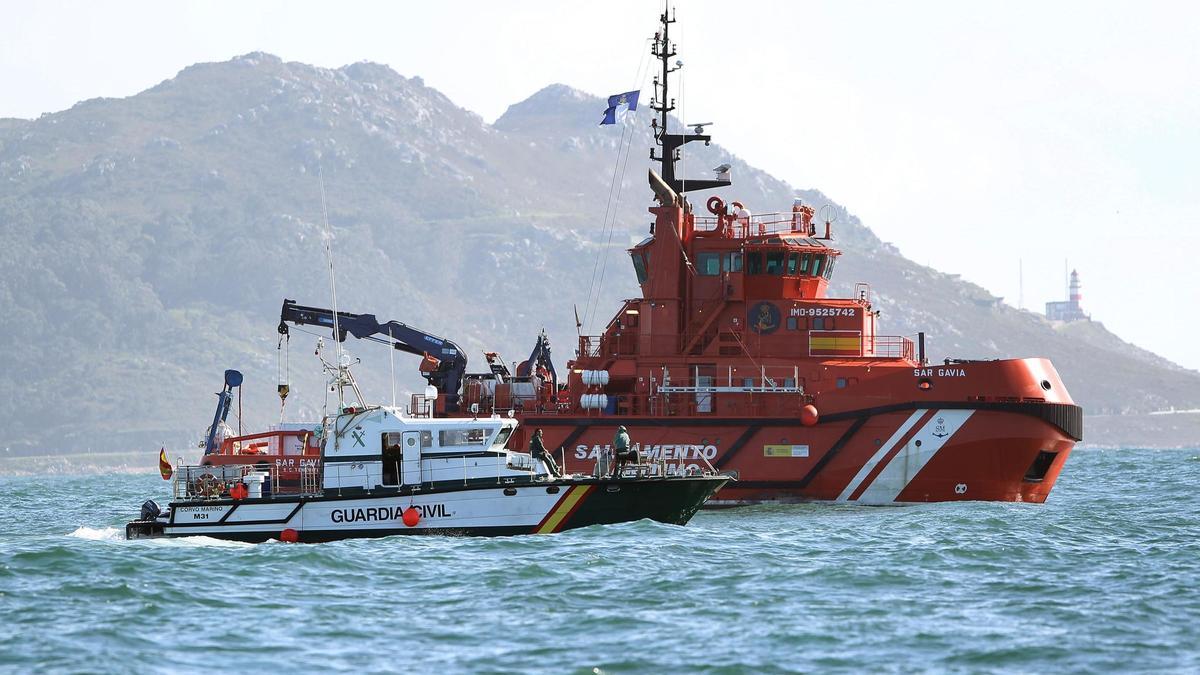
(150, 510)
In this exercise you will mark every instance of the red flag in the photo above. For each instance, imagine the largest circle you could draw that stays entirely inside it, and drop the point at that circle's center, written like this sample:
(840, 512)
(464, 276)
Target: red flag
(164, 465)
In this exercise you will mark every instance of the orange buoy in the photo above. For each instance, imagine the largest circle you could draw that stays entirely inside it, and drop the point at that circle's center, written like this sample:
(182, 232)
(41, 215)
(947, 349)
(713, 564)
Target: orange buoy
(411, 516)
(809, 415)
(289, 535)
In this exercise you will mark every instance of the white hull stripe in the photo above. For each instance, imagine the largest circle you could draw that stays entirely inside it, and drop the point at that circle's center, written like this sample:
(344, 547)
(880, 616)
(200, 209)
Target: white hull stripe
(912, 457)
(882, 452)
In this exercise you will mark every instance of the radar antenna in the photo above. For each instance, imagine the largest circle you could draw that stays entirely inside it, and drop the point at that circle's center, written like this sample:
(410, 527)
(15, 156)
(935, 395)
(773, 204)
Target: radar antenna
(663, 49)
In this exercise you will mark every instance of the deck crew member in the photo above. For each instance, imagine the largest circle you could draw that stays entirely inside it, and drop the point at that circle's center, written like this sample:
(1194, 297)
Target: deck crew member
(538, 451)
(623, 452)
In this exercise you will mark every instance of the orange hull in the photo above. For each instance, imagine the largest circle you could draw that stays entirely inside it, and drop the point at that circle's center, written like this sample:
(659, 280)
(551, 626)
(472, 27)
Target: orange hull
(942, 445)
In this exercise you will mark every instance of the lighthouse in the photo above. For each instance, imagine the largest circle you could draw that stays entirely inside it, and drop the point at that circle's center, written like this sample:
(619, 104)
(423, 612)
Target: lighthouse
(1070, 310)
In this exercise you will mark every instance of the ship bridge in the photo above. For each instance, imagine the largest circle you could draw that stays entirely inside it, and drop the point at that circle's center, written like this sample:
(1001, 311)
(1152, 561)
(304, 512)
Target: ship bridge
(729, 299)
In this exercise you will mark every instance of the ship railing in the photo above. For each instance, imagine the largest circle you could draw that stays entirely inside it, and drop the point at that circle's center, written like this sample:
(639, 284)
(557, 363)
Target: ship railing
(211, 482)
(422, 406)
(591, 345)
(760, 224)
(628, 341)
(889, 347)
(267, 442)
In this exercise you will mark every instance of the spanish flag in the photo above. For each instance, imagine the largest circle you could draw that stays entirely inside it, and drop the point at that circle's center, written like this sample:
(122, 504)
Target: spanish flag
(164, 465)
(835, 343)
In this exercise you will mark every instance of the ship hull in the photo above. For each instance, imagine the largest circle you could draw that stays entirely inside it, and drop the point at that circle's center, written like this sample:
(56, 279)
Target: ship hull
(897, 454)
(543, 507)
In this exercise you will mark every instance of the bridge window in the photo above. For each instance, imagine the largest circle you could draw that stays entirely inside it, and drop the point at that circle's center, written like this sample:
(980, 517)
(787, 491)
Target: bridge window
(793, 263)
(733, 263)
(829, 267)
(502, 437)
(640, 265)
(754, 263)
(805, 263)
(775, 262)
(449, 438)
(817, 264)
(708, 264)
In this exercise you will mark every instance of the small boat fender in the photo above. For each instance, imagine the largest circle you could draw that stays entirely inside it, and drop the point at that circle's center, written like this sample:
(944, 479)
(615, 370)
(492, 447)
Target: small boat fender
(411, 516)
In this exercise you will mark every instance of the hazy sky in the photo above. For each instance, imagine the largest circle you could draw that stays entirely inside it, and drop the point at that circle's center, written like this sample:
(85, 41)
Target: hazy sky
(973, 137)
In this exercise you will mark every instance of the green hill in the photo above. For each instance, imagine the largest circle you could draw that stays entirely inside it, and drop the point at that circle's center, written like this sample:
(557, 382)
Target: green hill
(147, 243)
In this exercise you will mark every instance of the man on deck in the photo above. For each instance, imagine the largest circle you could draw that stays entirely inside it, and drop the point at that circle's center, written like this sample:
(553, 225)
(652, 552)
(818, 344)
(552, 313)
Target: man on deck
(623, 452)
(538, 451)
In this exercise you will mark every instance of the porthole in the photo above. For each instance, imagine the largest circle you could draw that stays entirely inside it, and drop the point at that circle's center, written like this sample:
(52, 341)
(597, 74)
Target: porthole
(509, 492)
(552, 490)
(1046, 385)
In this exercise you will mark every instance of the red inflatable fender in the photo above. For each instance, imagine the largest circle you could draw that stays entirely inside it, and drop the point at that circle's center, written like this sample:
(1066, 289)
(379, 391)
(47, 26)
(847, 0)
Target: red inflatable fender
(809, 415)
(411, 516)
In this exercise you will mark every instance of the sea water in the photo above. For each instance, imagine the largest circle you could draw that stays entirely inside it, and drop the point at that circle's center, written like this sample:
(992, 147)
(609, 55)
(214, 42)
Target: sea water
(1102, 577)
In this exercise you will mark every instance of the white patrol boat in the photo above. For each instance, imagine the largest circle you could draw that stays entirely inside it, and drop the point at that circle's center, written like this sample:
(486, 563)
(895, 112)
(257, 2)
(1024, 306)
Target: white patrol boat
(383, 472)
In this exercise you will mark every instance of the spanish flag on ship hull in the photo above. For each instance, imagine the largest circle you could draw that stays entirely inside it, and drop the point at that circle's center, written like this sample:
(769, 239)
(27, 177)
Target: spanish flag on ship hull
(164, 465)
(835, 343)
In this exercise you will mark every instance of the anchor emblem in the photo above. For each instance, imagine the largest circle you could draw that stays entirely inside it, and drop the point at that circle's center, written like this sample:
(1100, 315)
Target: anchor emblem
(940, 429)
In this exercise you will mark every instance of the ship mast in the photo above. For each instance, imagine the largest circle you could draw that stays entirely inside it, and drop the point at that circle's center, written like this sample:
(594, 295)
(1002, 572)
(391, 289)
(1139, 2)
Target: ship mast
(670, 143)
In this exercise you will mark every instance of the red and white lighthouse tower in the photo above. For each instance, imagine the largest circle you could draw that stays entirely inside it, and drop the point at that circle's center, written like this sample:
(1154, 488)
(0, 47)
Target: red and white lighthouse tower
(1071, 310)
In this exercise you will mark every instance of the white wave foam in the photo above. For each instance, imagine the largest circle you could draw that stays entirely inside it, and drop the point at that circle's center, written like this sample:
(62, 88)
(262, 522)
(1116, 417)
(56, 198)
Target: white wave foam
(98, 533)
(202, 542)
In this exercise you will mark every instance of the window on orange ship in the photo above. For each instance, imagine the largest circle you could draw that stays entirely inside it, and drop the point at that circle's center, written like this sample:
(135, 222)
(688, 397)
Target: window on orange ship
(640, 264)
(775, 262)
(733, 263)
(708, 264)
(805, 263)
(754, 262)
(829, 267)
(817, 264)
(792, 264)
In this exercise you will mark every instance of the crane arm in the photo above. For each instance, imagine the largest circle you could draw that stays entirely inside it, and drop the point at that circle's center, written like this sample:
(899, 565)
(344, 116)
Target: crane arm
(540, 357)
(445, 362)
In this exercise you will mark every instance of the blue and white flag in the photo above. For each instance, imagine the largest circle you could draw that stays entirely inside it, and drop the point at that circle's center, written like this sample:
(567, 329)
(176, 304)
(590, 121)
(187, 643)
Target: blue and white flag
(628, 99)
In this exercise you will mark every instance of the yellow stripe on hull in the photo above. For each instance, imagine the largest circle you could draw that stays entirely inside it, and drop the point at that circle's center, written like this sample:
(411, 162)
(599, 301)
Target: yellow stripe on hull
(564, 507)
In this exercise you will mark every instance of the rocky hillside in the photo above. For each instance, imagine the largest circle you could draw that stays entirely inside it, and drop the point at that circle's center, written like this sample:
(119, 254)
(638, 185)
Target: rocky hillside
(147, 243)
